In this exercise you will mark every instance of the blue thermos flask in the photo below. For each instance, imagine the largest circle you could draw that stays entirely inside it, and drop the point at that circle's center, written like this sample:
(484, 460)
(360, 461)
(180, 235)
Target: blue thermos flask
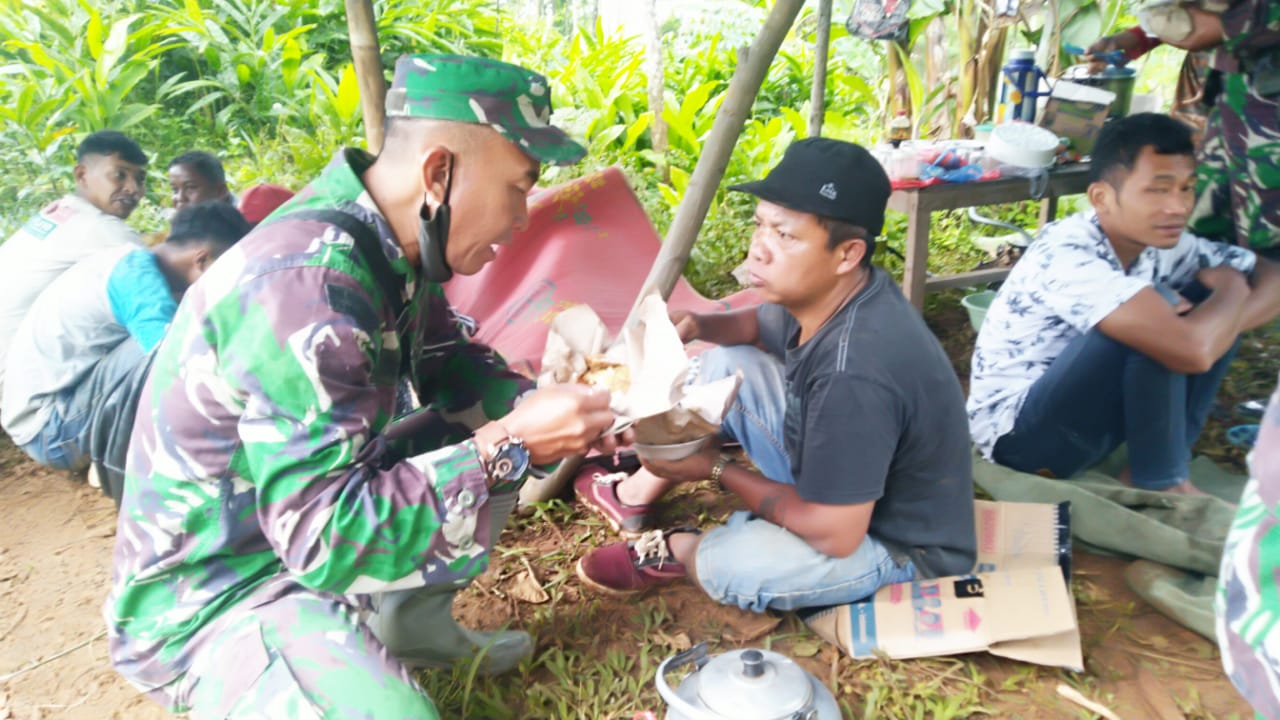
(1020, 87)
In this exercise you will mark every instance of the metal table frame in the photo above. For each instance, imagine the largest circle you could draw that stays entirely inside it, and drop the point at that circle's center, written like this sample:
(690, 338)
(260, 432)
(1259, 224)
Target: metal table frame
(920, 203)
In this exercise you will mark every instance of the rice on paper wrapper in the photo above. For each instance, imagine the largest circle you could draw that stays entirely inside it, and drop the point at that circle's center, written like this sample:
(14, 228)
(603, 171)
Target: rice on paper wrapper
(651, 356)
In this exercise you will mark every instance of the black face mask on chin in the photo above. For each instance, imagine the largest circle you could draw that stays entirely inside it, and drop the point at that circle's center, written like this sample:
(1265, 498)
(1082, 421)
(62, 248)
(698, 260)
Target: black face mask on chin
(433, 236)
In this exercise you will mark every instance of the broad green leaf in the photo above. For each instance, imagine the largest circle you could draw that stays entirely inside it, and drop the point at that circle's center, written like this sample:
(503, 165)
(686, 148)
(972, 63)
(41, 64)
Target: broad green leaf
(1084, 28)
(290, 59)
(679, 179)
(635, 130)
(347, 101)
(93, 35)
(694, 100)
(131, 115)
(670, 196)
(681, 132)
(606, 138)
(113, 49)
(926, 9)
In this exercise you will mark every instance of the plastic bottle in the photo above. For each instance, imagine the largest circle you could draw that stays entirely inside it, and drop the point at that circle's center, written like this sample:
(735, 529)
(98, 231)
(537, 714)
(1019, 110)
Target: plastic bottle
(899, 128)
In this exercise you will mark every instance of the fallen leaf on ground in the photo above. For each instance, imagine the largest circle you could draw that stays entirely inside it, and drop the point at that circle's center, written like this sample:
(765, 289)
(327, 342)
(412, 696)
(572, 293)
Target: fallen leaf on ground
(806, 648)
(527, 589)
(678, 642)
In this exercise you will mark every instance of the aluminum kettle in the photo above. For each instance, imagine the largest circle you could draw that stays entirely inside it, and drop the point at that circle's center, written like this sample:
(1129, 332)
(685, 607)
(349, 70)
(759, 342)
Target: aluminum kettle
(744, 685)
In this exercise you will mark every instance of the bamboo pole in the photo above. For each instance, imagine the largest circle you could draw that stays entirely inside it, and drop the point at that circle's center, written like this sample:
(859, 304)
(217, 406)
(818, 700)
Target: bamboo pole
(367, 58)
(753, 65)
(821, 50)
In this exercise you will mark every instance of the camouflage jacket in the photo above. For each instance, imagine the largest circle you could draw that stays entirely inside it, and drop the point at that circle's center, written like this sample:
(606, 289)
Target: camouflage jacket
(258, 450)
(1250, 28)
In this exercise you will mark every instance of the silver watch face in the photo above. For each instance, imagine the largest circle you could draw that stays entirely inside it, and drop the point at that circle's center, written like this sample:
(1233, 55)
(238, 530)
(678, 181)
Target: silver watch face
(510, 461)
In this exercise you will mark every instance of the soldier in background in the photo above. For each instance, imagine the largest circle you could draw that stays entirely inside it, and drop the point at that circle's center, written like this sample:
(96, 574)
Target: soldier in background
(267, 510)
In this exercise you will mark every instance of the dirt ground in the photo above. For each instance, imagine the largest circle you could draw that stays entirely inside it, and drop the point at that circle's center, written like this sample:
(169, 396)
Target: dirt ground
(55, 554)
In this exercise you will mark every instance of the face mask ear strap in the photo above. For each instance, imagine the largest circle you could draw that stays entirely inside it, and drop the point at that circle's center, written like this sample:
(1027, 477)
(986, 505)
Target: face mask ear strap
(433, 236)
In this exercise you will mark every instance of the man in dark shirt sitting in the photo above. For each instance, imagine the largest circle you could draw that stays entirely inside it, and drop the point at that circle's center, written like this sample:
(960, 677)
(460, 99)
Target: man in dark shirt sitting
(850, 411)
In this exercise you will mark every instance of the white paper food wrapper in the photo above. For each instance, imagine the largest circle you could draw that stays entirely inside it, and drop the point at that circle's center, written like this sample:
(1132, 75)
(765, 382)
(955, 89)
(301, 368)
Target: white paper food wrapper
(662, 409)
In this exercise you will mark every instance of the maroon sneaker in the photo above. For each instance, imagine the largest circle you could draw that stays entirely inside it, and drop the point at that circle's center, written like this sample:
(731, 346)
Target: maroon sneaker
(627, 568)
(598, 490)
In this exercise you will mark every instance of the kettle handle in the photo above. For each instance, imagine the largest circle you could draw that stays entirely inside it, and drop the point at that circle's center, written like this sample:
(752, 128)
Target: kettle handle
(697, 655)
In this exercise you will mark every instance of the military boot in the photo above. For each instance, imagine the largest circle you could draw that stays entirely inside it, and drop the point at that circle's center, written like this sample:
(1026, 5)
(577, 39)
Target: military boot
(418, 628)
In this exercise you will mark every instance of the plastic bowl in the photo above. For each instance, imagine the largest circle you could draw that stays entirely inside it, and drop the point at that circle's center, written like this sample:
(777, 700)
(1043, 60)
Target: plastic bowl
(977, 305)
(676, 451)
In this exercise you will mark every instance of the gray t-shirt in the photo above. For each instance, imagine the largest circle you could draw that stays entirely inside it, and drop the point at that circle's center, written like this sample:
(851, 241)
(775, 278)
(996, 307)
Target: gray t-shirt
(875, 413)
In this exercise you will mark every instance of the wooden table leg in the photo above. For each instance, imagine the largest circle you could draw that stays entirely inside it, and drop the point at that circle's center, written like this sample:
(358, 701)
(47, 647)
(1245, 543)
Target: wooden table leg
(917, 263)
(1048, 210)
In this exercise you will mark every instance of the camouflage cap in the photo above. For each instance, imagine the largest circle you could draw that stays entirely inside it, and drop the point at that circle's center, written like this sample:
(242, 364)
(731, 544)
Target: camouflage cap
(512, 100)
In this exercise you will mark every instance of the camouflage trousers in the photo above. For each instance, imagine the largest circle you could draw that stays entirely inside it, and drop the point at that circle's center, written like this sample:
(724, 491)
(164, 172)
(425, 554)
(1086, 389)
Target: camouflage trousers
(1238, 184)
(291, 652)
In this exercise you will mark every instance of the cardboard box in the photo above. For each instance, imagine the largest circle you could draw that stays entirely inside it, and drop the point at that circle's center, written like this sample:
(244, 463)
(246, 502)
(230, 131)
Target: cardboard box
(1077, 112)
(1018, 604)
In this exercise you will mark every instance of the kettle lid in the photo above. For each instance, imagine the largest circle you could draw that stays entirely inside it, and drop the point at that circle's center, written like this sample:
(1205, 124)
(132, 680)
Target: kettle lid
(754, 685)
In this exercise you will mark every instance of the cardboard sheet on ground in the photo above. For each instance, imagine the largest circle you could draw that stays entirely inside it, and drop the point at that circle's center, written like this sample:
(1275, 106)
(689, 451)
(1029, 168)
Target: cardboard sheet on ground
(655, 397)
(1017, 605)
(1183, 533)
(590, 242)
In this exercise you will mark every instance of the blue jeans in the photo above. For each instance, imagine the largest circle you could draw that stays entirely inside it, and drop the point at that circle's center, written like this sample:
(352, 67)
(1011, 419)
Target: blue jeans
(63, 442)
(749, 561)
(1100, 393)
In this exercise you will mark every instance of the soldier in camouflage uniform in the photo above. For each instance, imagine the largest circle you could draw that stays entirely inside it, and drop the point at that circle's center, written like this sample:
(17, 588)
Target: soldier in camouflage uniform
(279, 554)
(1248, 600)
(1238, 189)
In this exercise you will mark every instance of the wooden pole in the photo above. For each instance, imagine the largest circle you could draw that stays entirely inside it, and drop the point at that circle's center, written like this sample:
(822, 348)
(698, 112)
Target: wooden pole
(821, 50)
(367, 58)
(753, 65)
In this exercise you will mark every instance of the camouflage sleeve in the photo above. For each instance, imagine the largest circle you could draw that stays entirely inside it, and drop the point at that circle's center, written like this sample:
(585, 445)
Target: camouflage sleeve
(317, 375)
(1251, 25)
(454, 375)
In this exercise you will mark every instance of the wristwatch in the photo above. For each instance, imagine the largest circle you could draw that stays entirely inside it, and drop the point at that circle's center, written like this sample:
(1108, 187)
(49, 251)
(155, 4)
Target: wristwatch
(717, 472)
(508, 462)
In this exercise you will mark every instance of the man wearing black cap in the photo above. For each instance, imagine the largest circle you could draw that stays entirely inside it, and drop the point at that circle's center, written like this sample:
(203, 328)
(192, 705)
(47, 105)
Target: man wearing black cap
(850, 411)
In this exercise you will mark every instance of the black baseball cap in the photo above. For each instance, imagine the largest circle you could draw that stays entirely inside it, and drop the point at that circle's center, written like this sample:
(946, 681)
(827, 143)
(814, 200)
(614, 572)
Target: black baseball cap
(831, 178)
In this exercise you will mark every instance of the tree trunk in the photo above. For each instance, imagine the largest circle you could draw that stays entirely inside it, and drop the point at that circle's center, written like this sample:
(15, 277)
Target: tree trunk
(655, 73)
(821, 50)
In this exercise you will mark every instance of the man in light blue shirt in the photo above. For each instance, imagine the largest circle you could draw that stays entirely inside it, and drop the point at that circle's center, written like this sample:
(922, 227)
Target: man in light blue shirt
(95, 324)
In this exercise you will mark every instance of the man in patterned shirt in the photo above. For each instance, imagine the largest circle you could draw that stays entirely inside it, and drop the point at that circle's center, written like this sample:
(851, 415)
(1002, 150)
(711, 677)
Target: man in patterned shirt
(279, 553)
(1238, 193)
(1094, 340)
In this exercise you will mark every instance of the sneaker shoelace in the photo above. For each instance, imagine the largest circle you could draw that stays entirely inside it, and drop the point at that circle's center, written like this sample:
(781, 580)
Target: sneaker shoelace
(650, 544)
(608, 478)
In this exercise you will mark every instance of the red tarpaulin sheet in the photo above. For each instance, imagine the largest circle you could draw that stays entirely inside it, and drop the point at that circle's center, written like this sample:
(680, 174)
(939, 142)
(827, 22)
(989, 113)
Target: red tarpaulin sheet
(588, 241)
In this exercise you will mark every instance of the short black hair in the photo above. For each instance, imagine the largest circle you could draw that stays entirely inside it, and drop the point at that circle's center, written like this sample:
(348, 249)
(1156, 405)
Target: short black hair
(209, 166)
(111, 142)
(838, 231)
(214, 222)
(1122, 140)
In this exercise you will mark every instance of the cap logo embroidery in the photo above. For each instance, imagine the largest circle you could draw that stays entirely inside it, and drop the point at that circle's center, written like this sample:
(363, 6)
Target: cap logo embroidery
(828, 191)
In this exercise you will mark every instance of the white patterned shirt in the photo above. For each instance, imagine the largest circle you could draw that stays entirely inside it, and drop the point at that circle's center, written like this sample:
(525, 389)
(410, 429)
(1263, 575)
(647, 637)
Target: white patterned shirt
(1068, 281)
